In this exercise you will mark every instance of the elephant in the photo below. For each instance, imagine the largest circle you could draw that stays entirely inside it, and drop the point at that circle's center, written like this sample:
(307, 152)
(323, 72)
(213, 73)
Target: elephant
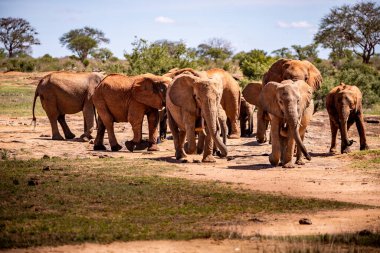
(188, 97)
(284, 69)
(290, 107)
(120, 98)
(344, 105)
(246, 118)
(163, 124)
(230, 99)
(64, 93)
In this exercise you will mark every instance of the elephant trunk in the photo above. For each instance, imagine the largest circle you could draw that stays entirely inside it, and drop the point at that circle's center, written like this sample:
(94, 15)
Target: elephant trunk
(211, 118)
(262, 124)
(294, 128)
(343, 118)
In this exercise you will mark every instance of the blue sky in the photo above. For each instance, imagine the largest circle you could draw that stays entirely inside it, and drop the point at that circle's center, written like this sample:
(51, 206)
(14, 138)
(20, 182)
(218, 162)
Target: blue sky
(247, 24)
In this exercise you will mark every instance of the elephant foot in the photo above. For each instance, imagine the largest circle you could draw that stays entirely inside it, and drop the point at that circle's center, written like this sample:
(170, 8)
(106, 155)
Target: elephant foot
(115, 148)
(288, 165)
(180, 155)
(141, 145)
(208, 159)
(233, 136)
(199, 151)
(333, 151)
(345, 150)
(69, 136)
(100, 147)
(364, 147)
(57, 138)
(86, 137)
(188, 150)
(153, 147)
(273, 161)
(300, 162)
(130, 145)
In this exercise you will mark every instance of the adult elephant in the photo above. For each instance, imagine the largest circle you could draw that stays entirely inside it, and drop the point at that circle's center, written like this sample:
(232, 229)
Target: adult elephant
(120, 98)
(290, 107)
(189, 95)
(231, 95)
(344, 105)
(64, 93)
(283, 69)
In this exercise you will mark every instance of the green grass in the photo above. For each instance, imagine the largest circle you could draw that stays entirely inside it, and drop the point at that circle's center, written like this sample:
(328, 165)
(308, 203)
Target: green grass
(104, 200)
(367, 159)
(373, 110)
(17, 101)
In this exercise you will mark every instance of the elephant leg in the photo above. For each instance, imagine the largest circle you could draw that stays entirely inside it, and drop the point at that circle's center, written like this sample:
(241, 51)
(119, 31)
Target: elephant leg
(136, 119)
(153, 120)
(288, 153)
(190, 146)
(209, 145)
(88, 116)
(108, 122)
(235, 131)
(334, 131)
(274, 157)
(163, 124)
(243, 127)
(359, 120)
(180, 153)
(98, 143)
(52, 113)
(201, 143)
(65, 127)
(299, 159)
(178, 137)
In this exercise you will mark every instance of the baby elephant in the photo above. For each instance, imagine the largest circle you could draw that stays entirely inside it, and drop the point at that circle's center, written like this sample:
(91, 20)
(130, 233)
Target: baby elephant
(344, 105)
(290, 107)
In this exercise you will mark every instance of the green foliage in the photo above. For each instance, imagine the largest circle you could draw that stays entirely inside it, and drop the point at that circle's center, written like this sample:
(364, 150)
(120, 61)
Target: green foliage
(83, 41)
(254, 63)
(283, 52)
(159, 57)
(356, 27)
(102, 54)
(24, 64)
(308, 52)
(17, 35)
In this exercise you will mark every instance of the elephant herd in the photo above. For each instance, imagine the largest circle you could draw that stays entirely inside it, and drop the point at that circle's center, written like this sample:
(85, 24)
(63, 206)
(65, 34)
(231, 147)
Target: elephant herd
(207, 104)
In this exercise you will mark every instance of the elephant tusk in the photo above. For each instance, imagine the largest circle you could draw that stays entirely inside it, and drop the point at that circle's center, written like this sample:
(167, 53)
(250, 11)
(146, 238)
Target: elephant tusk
(203, 127)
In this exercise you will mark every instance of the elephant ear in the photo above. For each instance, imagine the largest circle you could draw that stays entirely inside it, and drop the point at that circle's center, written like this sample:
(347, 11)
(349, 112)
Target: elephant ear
(315, 78)
(176, 72)
(145, 91)
(268, 99)
(274, 73)
(306, 93)
(251, 93)
(181, 93)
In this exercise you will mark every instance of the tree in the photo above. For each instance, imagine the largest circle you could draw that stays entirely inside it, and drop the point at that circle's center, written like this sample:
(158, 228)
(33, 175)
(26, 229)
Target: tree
(83, 41)
(308, 52)
(356, 27)
(158, 57)
(215, 49)
(102, 54)
(283, 52)
(254, 63)
(17, 35)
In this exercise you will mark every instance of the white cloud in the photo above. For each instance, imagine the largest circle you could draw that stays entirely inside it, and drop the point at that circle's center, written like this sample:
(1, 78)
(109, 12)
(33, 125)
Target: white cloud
(299, 24)
(164, 20)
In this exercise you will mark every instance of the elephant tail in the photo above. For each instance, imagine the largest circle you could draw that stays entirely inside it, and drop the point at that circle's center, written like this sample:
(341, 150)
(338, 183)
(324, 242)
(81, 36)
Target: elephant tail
(34, 120)
(96, 118)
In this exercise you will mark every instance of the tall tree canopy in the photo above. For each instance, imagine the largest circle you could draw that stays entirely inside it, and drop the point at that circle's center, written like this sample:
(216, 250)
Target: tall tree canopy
(83, 41)
(215, 49)
(356, 27)
(17, 35)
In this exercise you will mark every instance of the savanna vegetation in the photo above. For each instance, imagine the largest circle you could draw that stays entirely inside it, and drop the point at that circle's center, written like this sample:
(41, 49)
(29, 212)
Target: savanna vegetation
(351, 32)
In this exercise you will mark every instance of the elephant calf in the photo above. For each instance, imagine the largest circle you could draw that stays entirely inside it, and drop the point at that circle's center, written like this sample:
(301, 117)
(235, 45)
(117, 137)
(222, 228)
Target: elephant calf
(64, 93)
(290, 107)
(344, 105)
(246, 118)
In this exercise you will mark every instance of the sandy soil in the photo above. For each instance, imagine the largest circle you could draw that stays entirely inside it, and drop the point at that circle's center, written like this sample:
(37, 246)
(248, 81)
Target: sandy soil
(325, 177)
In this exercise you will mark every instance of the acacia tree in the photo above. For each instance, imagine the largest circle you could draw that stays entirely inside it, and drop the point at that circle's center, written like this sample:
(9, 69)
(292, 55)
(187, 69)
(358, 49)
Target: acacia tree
(283, 52)
(83, 41)
(215, 49)
(308, 52)
(17, 35)
(356, 27)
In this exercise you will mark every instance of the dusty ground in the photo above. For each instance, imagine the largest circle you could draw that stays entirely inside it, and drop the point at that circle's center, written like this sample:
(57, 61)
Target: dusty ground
(325, 176)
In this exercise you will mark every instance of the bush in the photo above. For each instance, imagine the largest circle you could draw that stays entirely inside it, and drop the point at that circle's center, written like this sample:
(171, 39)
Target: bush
(26, 64)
